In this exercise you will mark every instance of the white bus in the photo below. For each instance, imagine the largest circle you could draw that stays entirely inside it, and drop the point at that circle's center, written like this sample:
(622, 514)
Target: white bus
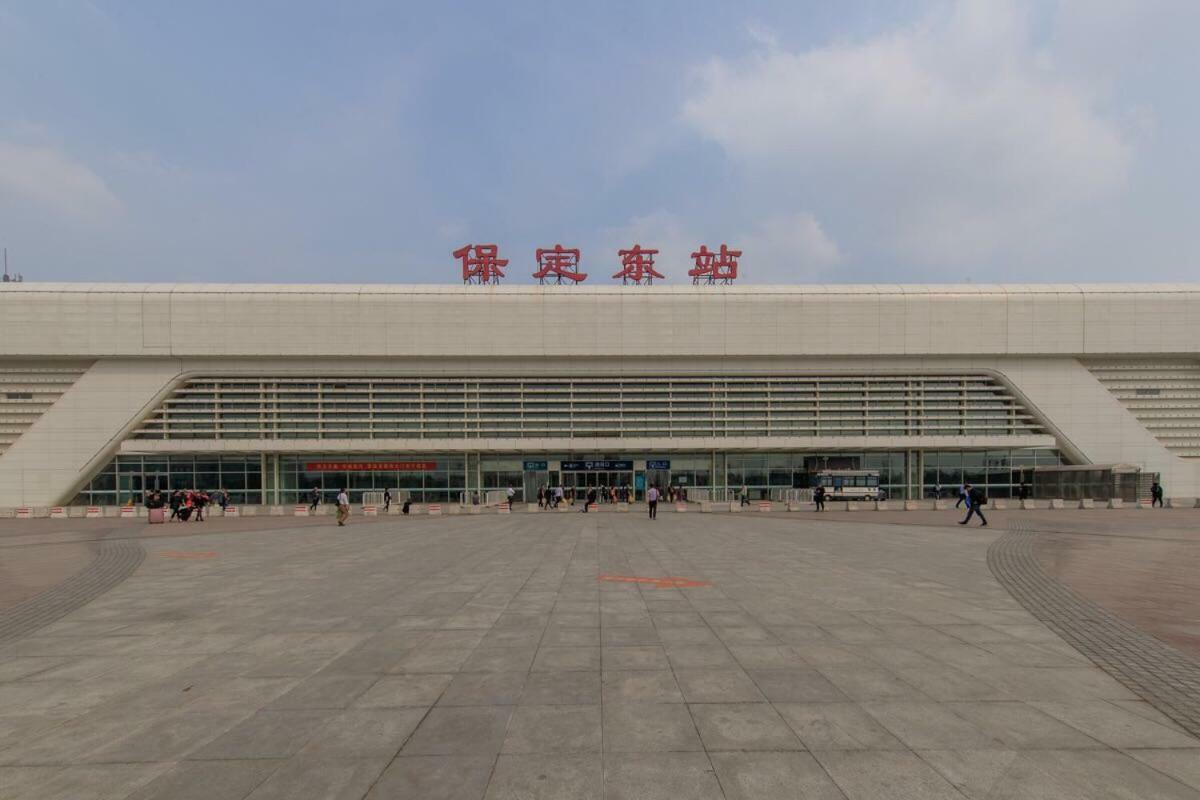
(850, 484)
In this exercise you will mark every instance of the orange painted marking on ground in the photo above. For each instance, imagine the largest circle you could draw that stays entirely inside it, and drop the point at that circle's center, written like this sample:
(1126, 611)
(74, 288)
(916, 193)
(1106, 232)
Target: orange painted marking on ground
(193, 554)
(658, 583)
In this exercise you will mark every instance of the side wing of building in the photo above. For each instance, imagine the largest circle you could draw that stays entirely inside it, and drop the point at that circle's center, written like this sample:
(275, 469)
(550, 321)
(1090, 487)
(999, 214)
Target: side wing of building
(272, 379)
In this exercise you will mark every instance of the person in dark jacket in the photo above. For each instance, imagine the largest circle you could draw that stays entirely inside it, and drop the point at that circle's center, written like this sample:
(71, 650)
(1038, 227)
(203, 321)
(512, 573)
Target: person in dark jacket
(975, 501)
(819, 498)
(1156, 495)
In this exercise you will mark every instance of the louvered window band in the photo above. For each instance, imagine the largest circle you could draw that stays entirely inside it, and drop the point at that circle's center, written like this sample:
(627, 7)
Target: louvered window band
(1164, 396)
(584, 407)
(27, 390)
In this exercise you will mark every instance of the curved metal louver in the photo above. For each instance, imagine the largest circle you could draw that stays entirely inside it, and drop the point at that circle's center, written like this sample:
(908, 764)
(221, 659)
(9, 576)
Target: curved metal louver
(331, 407)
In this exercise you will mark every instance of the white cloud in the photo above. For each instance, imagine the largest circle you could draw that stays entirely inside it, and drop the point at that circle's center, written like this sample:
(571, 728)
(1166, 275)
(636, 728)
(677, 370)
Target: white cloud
(45, 177)
(952, 137)
(787, 249)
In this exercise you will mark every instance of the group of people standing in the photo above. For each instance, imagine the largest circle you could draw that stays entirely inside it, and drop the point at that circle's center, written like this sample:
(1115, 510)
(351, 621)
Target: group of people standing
(188, 504)
(554, 496)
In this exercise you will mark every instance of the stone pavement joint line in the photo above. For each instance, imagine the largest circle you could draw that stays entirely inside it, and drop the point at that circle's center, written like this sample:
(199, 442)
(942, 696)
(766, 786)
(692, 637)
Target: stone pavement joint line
(115, 562)
(1152, 669)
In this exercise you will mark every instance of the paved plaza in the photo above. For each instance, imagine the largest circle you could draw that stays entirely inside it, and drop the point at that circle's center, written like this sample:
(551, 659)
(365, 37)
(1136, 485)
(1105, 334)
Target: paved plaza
(752, 656)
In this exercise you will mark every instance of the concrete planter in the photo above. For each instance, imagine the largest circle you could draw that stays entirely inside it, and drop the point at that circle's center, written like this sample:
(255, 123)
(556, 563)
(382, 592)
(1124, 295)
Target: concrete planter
(735, 507)
(1087, 502)
(1182, 502)
(1028, 504)
(1116, 503)
(623, 508)
(1058, 503)
(705, 507)
(998, 504)
(882, 505)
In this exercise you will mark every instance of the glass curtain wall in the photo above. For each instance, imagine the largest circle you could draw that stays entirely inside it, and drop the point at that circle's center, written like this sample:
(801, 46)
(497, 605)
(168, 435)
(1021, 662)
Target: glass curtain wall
(427, 479)
(127, 478)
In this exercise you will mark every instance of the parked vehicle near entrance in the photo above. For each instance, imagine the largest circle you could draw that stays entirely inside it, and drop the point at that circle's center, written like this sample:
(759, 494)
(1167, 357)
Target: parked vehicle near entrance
(850, 484)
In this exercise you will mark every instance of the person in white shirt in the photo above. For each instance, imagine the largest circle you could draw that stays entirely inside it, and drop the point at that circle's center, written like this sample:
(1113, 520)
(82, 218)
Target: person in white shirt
(511, 494)
(343, 507)
(652, 501)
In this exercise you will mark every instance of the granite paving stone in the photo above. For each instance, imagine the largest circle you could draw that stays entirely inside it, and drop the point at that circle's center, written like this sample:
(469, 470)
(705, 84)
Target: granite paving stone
(887, 655)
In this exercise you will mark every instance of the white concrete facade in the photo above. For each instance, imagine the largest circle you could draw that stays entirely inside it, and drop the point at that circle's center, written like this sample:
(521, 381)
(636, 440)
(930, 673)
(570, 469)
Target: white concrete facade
(144, 341)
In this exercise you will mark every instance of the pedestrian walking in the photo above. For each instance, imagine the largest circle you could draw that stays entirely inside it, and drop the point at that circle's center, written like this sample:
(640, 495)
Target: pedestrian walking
(314, 499)
(589, 499)
(962, 495)
(976, 500)
(343, 507)
(541, 496)
(652, 501)
(744, 493)
(404, 508)
(510, 494)
(819, 498)
(1156, 495)
(387, 500)
(176, 503)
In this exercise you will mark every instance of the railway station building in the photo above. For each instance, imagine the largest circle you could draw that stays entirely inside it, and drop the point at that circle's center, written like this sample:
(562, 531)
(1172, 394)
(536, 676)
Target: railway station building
(109, 390)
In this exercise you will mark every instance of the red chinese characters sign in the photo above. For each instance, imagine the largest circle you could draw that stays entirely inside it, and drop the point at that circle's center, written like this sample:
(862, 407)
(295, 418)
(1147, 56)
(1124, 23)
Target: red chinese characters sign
(558, 263)
(713, 267)
(637, 265)
(481, 263)
(370, 466)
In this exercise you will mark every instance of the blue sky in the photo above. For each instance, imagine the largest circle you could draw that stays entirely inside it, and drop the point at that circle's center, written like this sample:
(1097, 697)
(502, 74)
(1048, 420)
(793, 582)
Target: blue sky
(866, 141)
